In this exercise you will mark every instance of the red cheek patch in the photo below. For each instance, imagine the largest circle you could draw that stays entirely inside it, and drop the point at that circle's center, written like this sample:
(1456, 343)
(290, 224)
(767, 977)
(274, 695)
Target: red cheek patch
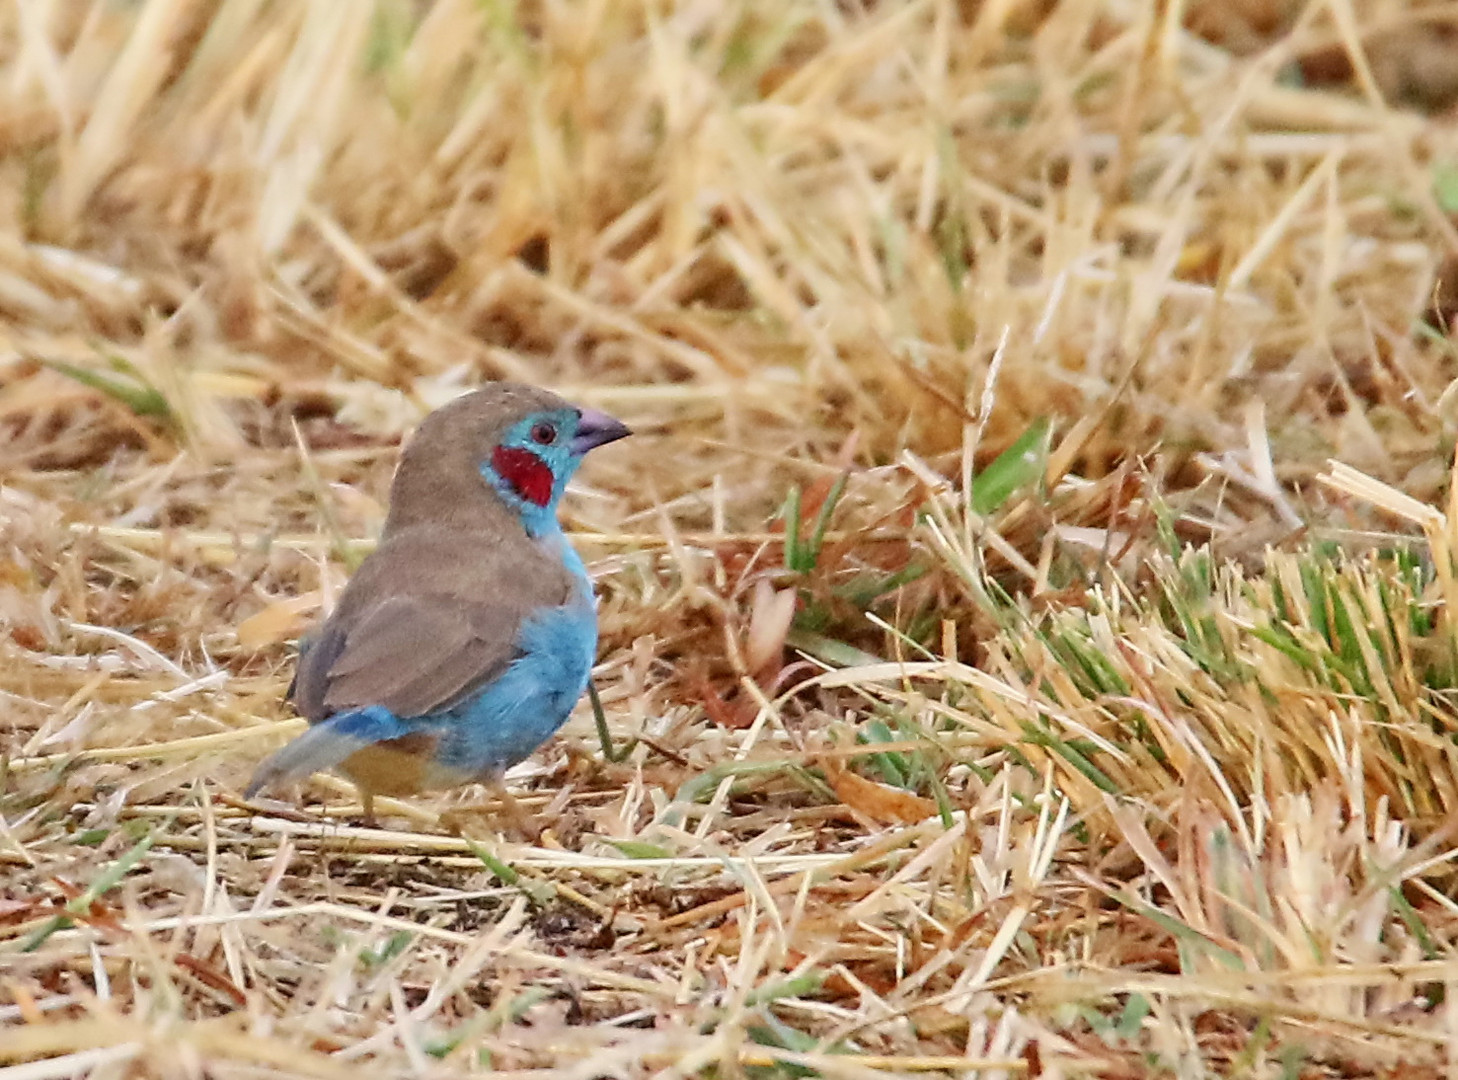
(524, 472)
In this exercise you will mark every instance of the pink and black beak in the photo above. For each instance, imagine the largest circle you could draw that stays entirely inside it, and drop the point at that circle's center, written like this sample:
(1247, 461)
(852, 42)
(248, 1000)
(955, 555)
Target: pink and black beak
(596, 429)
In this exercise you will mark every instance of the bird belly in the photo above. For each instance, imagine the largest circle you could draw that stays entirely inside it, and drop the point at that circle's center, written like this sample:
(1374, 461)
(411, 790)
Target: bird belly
(525, 705)
(394, 767)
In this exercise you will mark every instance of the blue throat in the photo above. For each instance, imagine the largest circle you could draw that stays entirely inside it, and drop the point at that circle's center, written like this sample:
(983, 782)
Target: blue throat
(540, 521)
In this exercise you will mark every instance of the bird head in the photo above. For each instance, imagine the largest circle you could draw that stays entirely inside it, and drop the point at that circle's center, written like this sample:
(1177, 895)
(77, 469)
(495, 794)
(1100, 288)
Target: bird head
(518, 443)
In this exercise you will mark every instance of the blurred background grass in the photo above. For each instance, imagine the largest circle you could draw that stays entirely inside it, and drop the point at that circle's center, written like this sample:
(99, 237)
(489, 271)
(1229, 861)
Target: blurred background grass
(1002, 679)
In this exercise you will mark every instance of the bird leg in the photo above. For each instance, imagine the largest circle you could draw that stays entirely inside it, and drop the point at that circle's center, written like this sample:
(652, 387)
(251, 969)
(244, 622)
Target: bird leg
(517, 819)
(520, 820)
(367, 802)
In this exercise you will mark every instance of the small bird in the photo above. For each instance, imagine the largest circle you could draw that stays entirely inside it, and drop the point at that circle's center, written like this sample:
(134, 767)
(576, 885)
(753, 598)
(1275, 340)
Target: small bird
(464, 640)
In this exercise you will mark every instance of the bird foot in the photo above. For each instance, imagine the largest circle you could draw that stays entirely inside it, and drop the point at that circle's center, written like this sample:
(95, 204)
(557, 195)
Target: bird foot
(504, 811)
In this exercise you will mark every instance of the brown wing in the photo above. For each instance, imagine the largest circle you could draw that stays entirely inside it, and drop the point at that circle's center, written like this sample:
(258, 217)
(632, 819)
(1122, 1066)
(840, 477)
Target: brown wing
(417, 654)
(318, 649)
(426, 619)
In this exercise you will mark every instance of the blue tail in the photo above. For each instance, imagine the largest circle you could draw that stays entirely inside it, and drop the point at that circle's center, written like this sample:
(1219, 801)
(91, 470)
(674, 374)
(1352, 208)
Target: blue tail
(326, 744)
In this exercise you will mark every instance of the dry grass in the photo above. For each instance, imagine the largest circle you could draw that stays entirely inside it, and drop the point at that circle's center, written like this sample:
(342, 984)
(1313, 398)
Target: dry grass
(1094, 725)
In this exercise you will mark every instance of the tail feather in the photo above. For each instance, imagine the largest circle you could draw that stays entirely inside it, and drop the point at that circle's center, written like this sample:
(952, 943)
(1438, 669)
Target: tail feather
(325, 745)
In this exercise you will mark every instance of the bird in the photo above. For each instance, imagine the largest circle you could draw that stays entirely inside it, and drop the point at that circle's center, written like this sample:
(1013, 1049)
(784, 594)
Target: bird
(463, 641)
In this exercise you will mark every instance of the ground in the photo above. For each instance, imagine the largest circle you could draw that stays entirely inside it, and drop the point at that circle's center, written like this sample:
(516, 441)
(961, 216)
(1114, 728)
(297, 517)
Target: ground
(1025, 600)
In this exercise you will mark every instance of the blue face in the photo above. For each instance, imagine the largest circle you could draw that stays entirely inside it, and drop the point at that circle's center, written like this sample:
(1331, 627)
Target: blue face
(531, 465)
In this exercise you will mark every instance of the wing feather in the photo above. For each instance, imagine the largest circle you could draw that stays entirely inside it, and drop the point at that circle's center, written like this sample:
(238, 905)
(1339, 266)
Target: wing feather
(317, 652)
(416, 655)
(419, 627)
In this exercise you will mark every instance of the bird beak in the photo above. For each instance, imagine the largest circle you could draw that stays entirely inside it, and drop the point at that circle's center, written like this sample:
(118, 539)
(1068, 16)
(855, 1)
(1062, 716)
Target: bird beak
(596, 429)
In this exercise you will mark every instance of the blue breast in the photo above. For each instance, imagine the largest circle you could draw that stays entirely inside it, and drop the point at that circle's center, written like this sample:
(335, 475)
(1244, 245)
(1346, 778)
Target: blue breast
(520, 709)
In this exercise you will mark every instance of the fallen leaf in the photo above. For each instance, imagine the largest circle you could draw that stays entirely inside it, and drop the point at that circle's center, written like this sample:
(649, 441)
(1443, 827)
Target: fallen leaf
(880, 802)
(280, 621)
(769, 623)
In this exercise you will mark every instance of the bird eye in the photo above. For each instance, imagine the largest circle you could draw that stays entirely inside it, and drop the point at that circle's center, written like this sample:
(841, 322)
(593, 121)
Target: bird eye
(544, 434)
